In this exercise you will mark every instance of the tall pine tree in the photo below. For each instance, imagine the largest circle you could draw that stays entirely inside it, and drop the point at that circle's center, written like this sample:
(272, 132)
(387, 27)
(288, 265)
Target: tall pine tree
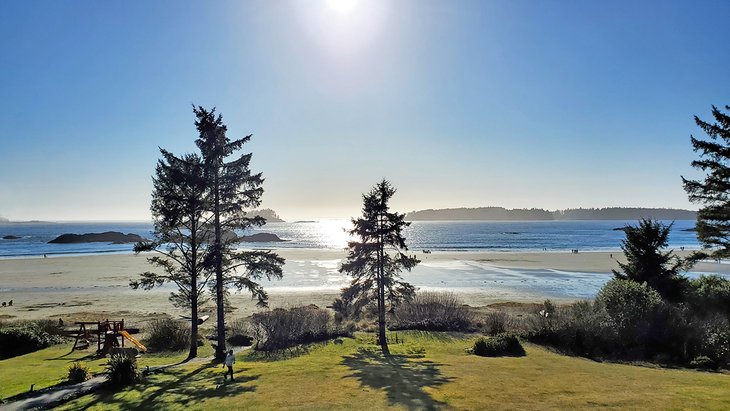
(647, 262)
(713, 192)
(233, 189)
(179, 209)
(376, 259)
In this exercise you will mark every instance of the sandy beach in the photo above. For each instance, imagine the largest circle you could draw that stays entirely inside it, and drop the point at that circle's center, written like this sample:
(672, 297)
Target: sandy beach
(97, 286)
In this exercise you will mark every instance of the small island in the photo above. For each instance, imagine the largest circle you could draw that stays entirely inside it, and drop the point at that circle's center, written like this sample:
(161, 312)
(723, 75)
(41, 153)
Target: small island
(114, 237)
(260, 238)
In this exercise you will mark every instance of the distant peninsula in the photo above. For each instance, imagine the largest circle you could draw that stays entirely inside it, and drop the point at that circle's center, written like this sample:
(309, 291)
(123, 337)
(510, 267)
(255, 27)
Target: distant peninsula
(538, 214)
(114, 237)
(6, 221)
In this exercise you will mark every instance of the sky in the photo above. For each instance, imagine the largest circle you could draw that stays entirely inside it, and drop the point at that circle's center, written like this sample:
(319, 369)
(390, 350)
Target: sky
(514, 103)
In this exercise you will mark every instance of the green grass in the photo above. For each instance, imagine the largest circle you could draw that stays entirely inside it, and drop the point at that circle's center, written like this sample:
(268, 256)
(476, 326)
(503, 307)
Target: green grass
(430, 371)
(49, 366)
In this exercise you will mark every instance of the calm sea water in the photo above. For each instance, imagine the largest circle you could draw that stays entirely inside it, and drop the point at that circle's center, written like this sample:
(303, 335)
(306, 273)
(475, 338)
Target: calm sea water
(432, 235)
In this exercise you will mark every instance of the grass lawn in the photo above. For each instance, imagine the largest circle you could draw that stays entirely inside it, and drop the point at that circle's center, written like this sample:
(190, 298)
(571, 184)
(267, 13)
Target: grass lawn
(49, 366)
(430, 370)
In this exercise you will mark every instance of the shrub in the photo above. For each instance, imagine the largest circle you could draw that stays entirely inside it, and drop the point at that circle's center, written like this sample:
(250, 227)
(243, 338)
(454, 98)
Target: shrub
(709, 294)
(22, 337)
(77, 372)
(503, 344)
(583, 328)
(496, 322)
(168, 335)
(702, 362)
(431, 311)
(631, 307)
(349, 307)
(239, 333)
(122, 370)
(282, 328)
(715, 340)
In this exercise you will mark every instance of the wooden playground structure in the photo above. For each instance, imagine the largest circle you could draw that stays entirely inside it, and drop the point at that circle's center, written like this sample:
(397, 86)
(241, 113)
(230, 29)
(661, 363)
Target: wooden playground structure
(109, 335)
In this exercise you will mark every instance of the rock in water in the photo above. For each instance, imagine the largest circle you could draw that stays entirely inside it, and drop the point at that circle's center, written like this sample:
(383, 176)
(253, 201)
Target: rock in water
(260, 238)
(11, 237)
(107, 237)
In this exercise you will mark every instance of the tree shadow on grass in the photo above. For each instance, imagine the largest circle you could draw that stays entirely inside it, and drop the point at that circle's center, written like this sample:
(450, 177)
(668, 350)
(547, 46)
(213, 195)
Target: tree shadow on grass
(281, 354)
(88, 357)
(403, 377)
(186, 389)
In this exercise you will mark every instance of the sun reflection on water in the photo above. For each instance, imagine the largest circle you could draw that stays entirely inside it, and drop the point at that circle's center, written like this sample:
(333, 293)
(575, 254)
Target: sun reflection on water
(332, 233)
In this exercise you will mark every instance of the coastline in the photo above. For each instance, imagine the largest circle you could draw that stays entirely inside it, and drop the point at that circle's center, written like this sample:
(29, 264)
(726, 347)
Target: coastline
(88, 286)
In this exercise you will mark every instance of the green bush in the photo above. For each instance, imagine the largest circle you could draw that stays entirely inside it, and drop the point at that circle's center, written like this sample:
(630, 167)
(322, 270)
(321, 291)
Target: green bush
(631, 307)
(431, 311)
(77, 372)
(23, 337)
(281, 328)
(583, 328)
(702, 362)
(714, 335)
(168, 335)
(503, 344)
(709, 294)
(122, 370)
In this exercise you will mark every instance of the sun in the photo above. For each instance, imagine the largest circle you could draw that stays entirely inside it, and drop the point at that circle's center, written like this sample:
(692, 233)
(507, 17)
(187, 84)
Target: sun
(342, 6)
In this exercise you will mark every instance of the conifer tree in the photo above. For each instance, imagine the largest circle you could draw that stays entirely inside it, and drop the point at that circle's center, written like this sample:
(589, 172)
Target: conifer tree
(713, 192)
(376, 259)
(646, 262)
(179, 209)
(233, 189)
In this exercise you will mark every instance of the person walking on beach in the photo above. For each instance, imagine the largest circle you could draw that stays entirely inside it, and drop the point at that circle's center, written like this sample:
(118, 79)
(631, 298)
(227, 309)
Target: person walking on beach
(230, 360)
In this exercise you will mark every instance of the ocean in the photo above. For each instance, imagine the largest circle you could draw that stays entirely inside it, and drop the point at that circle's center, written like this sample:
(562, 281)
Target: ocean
(501, 236)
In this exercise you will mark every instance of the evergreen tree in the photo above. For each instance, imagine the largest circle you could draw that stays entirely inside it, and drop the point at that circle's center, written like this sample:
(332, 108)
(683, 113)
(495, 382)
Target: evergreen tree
(179, 209)
(232, 190)
(647, 263)
(713, 219)
(377, 258)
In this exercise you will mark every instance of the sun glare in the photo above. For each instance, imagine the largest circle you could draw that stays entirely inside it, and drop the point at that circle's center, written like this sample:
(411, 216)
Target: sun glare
(342, 6)
(333, 234)
(344, 28)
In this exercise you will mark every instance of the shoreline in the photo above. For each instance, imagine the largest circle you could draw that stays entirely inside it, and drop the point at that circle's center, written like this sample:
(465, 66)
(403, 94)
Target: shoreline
(419, 252)
(89, 286)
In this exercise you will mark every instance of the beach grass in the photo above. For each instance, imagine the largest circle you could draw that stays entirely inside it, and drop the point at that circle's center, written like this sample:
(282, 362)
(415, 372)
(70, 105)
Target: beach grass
(49, 367)
(429, 370)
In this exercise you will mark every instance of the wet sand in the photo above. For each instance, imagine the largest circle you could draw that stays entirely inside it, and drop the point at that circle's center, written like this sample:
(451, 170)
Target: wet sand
(97, 286)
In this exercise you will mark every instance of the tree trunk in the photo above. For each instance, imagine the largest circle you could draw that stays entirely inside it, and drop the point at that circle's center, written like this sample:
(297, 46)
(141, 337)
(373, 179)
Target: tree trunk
(220, 349)
(194, 293)
(194, 316)
(382, 337)
(381, 323)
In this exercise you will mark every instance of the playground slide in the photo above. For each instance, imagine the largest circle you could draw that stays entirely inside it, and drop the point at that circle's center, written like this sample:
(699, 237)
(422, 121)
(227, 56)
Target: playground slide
(133, 340)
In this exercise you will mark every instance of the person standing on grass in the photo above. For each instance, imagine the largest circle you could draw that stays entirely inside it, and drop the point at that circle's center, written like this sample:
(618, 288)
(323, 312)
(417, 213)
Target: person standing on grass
(230, 360)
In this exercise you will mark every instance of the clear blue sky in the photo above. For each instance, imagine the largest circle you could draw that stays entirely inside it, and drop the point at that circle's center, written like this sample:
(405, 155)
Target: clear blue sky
(548, 104)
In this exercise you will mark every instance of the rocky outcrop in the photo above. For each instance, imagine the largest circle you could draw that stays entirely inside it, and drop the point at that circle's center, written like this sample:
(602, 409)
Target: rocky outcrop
(11, 237)
(107, 237)
(260, 238)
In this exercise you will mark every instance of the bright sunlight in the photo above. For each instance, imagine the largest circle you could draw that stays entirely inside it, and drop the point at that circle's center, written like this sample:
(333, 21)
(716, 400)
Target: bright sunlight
(342, 6)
